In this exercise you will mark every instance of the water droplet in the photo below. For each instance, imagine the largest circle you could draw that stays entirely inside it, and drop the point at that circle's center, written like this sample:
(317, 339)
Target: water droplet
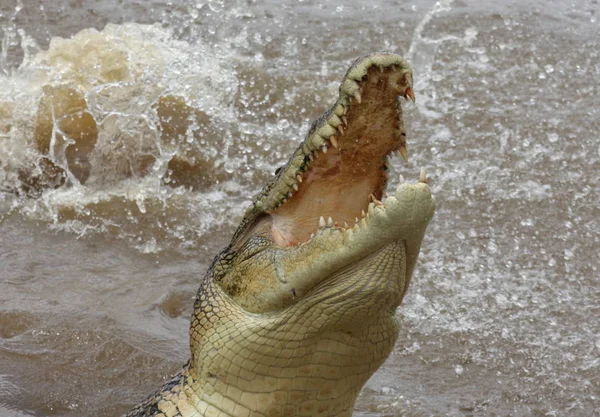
(229, 167)
(527, 222)
(459, 370)
(283, 124)
(324, 70)
(501, 299)
(568, 254)
(471, 33)
(388, 391)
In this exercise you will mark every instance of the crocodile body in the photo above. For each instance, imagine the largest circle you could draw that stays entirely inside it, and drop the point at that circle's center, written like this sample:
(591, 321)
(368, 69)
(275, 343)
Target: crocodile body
(298, 311)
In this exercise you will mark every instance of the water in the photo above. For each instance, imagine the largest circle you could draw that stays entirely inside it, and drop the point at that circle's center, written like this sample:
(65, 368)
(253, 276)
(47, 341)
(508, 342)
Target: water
(133, 137)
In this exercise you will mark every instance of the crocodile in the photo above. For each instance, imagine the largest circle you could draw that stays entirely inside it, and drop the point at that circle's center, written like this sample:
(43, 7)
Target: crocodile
(298, 311)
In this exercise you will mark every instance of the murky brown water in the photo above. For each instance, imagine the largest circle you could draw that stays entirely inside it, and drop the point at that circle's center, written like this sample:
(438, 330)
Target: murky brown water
(160, 132)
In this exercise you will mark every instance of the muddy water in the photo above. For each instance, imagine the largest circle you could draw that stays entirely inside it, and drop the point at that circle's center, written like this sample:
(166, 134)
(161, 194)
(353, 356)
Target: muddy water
(133, 136)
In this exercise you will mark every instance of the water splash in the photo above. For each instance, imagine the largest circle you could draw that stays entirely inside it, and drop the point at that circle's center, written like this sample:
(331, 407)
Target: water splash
(422, 56)
(124, 114)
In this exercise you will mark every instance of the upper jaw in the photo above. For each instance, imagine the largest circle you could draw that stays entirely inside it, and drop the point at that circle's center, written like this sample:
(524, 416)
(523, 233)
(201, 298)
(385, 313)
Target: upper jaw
(342, 163)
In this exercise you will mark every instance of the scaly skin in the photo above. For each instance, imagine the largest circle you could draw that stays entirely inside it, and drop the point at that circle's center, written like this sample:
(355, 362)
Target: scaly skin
(289, 324)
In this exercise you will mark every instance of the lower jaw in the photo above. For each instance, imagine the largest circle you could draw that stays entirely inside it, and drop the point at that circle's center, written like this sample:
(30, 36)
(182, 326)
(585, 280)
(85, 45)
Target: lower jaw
(404, 216)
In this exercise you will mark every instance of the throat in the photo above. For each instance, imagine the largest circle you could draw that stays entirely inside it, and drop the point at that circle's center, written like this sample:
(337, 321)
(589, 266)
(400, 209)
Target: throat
(322, 373)
(342, 202)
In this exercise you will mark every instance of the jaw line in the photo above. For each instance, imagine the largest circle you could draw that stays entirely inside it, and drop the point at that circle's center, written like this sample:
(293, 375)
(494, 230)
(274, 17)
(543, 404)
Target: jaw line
(402, 217)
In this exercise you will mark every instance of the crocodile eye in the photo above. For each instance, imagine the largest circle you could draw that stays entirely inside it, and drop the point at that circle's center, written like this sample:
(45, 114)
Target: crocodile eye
(278, 170)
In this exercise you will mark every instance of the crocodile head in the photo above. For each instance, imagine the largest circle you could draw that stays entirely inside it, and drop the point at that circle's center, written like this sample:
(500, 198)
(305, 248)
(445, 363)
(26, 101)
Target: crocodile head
(324, 212)
(299, 310)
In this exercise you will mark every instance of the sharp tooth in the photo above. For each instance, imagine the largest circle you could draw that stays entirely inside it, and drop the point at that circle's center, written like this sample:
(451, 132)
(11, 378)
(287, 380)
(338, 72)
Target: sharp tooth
(311, 157)
(312, 235)
(345, 225)
(403, 152)
(377, 202)
(423, 176)
(299, 178)
(324, 148)
(333, 141)
(402, 180)
(284, 201)
(329, 222)
(345, 120)
(290, 194)
(322, 222)
(356, 220)
(410, 94)
(340, 129)
(357, 95)
(363, 213)
(295, 186)
(362, 223)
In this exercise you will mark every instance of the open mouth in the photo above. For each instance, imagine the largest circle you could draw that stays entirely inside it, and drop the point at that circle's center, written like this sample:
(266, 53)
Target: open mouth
(343, 164)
